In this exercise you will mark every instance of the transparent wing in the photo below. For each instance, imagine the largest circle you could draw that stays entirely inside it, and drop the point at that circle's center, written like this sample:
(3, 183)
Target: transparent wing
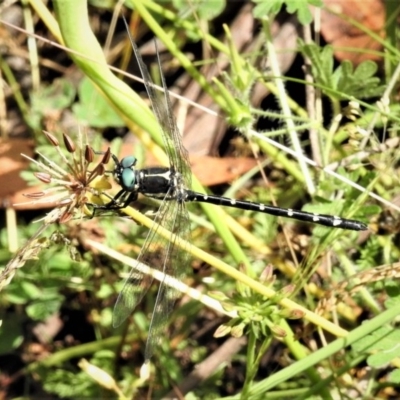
(138, 282)
(175, 266)
(164, 255)
(162, 107)
(167, 256)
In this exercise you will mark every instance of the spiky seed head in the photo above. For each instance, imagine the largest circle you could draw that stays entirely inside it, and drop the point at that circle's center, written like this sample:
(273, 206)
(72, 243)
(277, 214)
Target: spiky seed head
(73, 180)
(52, 139)
(89, 154)
(69, 144)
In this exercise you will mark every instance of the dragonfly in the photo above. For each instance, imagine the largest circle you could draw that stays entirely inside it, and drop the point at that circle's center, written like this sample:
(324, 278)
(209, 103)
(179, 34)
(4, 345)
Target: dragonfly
(171, 185)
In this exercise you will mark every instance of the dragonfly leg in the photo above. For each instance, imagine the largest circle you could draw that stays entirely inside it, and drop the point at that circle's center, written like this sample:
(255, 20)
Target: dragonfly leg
(121, 200)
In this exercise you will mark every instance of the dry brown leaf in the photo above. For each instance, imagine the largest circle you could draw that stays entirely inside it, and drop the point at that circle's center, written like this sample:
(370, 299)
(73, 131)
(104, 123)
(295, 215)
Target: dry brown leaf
(340, 33)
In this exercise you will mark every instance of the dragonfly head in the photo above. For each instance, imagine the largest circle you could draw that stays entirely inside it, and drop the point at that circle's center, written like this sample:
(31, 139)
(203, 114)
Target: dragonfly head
(125, 173)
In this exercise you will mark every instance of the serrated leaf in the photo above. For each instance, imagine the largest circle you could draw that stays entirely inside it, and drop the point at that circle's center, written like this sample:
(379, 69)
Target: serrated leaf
(347, 69)
(321, 62)
(326, 62)
(344, 81)
(336, 77)
(16, 296)
(366, 70)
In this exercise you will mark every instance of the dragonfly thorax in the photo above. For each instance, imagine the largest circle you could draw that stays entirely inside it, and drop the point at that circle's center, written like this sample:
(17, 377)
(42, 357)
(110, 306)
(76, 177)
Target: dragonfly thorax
(160, 183)
(155, 182)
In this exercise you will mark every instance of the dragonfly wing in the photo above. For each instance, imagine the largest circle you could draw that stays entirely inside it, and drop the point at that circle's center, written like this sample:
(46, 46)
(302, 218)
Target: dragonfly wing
(138, 282)
(175, 217)
(175, 266)
(162, 107)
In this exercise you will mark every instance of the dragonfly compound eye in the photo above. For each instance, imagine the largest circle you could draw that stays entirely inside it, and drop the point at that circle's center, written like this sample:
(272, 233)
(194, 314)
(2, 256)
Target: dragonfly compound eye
(127, 179)
(128, 162)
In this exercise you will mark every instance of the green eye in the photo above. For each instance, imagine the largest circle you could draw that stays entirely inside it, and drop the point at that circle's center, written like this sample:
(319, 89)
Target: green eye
(128, 162)
(128, 178)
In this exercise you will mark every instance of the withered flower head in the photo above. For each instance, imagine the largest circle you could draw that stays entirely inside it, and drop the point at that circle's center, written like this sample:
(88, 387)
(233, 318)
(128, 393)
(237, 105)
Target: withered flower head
(74, 182)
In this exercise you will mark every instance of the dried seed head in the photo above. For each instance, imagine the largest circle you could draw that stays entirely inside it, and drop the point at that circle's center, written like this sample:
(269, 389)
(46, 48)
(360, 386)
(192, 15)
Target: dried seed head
(69, 144)
(100, 169)
(89, 154)
(106, 157)
(73, 179)
(52, 139)
(97, 171)
(43, 176)
(35, 195)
